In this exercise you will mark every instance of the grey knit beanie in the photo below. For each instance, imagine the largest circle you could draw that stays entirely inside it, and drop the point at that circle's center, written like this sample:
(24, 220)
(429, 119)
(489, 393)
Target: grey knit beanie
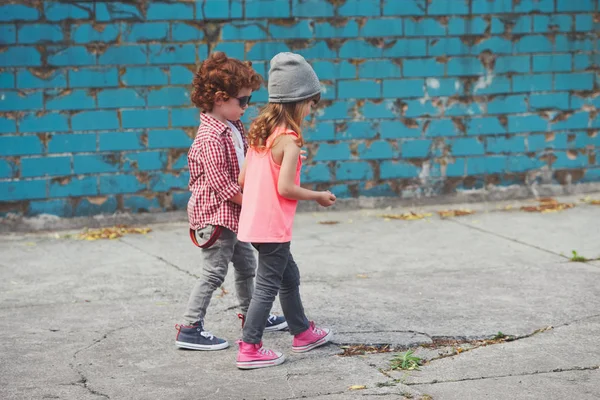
(291, 79)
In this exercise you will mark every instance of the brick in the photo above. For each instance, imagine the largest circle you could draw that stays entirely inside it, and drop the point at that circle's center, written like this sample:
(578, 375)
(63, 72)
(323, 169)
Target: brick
(267, 9)
(423, 27)
(584, 140)
(359, 49)
(20, 145)
(491, 84)
(141, 203)
(18, 12)
(181, 75)
(534, 44)
(180, 199)
(312, 8)
(420, 108)
(40, 33)
(397, 129)
(397, 169)
(148, 118)
(55, 11)
(320, 132)
(22, 190)
(145, 161)
(169, 11)
(376, 150)
(463, 109)
(203, 51)
(253, 30)
(14, 101)
(567, 44)
(262, 95)
(7, 80)
(213, 9)
(265, 50)
(7, 125)
(377, 109)
(466, 147)
(486, 165)
(74, 187)
(356, 130)
(441, 127)
(406, 48)
(327, 93)
(70, 56)
(94, 77)
(318, 172)
(378, 69)
(118, 141)
(578, 120)
(164, 182)
(45, 166)
(503, 144)
(144, 76)
(416, 148)
(20, 56)
(49, 122)
(172, 54)
(179, 163)
(301, 30)
(495, 44)
(491, 6)
(485, 126)
(182, 32)
(8, 169)
(102, 205)
(185, 117)
(317, 50)
(507, 105)
(88, 33)
(234, 50)
(574, 81)
(236, 10)
(95, 120)
(571, 6)
(332, 152)
(532, 83)
(118, 98)
(353, 170)
(8, 34)
(445, 8)
(336, 110)
(443, 87)
(359, 89)
(146, 31)
(427, 67)
(124, 55)
(94, 163)
(117, 11)
(585, 61)
(403, 88)
(584, 23)
(529, 6)
(552, 63)
(458, 26)
(115, 184)
(447, 47)
(51, 79)
(334, 70)
(579, 101)
(409, 7)
(506, 64)
(545, 101)
(522, 163)
(526, 123)
(72, 143)
(552, 23)
(464, 67)
(546, 141)
(349, 29)
(380, 27)
(358, 8)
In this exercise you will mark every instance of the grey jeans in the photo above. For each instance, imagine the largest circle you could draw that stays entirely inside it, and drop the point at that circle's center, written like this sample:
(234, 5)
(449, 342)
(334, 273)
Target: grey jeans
(215, 262)
(277, 272)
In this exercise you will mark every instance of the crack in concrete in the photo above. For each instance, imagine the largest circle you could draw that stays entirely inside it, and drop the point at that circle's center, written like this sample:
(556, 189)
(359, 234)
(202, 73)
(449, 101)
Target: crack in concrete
(169, 263)
(83, 380)
(556, 370)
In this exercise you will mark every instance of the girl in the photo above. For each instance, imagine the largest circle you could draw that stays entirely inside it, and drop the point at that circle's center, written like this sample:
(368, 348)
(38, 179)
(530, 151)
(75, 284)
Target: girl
(270, 179)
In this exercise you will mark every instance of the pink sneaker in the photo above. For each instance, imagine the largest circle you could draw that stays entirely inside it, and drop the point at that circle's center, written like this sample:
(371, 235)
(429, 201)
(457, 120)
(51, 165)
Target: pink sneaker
(311, 338)
(252, 356)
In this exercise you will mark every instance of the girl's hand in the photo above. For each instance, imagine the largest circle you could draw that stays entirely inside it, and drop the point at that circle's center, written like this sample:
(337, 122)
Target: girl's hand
(303, 155)
(326, 198)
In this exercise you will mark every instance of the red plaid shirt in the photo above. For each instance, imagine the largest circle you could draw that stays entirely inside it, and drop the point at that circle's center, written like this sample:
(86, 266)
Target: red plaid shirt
(214, 172)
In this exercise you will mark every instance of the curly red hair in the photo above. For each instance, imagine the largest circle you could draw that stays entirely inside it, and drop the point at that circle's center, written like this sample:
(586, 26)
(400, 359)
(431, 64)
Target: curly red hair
(222, 77)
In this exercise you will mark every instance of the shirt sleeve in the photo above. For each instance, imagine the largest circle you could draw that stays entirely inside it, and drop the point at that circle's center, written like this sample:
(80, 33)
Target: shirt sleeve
(213, 157)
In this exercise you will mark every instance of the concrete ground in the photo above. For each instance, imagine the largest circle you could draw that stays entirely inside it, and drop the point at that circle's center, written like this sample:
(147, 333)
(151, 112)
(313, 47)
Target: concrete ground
(95, 319)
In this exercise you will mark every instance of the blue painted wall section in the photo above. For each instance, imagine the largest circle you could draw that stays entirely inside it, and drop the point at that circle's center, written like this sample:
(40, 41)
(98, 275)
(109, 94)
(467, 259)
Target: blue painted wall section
(422, 97)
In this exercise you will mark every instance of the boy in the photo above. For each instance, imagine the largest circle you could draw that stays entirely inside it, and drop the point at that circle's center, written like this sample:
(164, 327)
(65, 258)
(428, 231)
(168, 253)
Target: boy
(222, 89)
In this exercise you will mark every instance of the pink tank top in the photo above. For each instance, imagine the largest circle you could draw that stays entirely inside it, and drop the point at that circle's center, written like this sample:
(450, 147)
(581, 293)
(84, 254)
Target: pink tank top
(266, 216)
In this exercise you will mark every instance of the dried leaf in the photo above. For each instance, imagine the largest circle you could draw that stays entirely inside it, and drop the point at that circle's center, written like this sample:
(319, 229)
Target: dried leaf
(329, 222)
(111, 233)
(358, 387)
(589, 200)
(548, 205)
(362, 276)
(455, 213)
(409, 216)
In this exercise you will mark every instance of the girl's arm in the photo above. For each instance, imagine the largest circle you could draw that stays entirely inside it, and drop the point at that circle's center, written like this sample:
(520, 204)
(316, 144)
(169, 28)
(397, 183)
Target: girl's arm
(286, 186)
(242, 175)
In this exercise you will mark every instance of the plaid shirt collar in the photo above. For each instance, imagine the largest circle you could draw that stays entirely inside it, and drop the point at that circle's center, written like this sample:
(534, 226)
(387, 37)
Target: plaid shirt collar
(222, 128)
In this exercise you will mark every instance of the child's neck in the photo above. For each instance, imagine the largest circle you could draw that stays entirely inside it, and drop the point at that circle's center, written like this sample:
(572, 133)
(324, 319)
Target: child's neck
(217, 116)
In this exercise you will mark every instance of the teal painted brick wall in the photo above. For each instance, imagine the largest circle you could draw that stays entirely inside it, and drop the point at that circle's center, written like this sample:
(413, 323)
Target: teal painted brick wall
(95, 114)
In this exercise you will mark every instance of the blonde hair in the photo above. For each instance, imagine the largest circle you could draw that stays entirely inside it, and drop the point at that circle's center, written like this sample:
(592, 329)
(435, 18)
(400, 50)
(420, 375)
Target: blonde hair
(274, 115)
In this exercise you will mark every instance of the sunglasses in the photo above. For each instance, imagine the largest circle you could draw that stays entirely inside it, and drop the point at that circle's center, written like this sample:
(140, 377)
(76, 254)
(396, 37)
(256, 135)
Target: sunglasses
(244, 100)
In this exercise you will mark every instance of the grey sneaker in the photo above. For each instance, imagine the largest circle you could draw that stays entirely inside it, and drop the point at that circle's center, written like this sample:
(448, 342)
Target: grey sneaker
(194, 337)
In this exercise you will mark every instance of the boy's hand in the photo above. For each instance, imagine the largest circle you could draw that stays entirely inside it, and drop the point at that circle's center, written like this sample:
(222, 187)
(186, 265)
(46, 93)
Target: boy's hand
(326, 198)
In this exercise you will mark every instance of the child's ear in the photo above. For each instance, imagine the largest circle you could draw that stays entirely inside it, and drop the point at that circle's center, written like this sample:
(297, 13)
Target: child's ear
(219, 99)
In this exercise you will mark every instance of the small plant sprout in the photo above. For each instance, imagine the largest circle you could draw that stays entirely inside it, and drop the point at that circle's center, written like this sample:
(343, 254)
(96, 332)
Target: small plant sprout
(406, 361)
(499, 336)
(577, 258)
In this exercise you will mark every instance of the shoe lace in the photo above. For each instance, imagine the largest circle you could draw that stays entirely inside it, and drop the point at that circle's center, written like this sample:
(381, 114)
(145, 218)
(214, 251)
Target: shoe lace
(264, 351)
(317, 331)
(207, 335)
(272, 318)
